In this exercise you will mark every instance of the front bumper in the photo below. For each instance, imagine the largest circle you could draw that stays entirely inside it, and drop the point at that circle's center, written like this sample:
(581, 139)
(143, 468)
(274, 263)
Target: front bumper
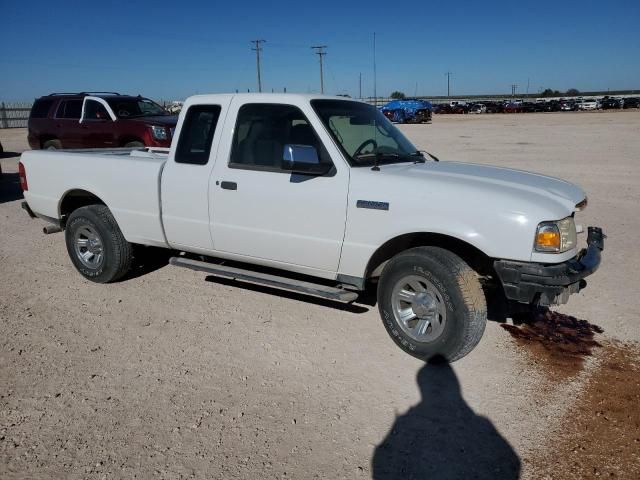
(551, 284)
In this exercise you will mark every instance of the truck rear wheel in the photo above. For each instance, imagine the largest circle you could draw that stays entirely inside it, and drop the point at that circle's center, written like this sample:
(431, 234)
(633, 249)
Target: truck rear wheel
(432, 304)
(96, 245)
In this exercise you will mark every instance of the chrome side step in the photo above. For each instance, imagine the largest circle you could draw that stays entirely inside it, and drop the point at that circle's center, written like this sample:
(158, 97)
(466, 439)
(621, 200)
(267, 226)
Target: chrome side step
(285, 283)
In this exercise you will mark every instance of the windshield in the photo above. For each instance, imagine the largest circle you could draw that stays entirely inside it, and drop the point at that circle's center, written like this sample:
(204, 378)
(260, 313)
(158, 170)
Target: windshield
(364, 133)
(135, 107)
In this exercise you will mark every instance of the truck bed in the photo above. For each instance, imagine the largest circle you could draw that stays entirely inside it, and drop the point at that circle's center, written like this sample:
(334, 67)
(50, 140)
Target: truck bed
(125, 179)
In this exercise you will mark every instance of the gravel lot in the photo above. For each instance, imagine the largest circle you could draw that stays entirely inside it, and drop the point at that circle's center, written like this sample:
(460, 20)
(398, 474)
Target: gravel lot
(168, 375)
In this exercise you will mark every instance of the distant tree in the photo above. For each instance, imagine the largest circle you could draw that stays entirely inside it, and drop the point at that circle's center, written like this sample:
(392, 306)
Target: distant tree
(573, 92)
(397, 95)
(550, 93)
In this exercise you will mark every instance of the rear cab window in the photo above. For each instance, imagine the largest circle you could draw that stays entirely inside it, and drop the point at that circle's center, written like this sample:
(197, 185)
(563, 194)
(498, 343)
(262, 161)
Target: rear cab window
(196, 135)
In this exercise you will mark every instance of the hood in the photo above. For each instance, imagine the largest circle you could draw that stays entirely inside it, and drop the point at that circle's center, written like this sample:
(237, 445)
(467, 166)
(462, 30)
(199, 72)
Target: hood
(497, 210)
(492, 178)
(167, 120)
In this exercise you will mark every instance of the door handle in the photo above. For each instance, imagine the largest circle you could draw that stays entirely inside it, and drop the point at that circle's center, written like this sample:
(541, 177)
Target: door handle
(229, 185)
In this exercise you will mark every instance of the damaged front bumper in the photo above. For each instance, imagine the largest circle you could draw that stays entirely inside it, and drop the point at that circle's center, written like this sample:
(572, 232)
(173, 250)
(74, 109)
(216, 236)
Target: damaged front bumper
(551, 284)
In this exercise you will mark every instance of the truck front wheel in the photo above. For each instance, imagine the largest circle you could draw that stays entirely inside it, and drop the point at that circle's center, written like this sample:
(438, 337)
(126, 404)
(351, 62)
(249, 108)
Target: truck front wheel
(432, 304)
(96, 245)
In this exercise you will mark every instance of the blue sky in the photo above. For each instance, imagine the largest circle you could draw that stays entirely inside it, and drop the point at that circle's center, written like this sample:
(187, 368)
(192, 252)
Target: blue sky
(168, 50)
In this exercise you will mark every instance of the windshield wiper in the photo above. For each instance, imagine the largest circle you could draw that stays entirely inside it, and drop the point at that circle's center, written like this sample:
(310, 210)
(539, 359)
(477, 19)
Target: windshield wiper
(420, 153)
(377, 157)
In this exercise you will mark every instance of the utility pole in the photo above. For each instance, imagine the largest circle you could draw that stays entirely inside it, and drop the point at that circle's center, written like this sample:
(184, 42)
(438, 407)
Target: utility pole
(448, 74)
(514, 87)
(319, 50)
(258, 49)
(360, 86)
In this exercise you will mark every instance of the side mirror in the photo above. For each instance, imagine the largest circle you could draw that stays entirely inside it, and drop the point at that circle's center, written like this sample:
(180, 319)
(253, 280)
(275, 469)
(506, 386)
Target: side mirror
(303, 159)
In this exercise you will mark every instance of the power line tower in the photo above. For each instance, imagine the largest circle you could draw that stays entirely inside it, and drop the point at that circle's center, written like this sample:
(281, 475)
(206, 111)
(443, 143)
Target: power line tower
(319, 50)
(448, 74)
(258, 49)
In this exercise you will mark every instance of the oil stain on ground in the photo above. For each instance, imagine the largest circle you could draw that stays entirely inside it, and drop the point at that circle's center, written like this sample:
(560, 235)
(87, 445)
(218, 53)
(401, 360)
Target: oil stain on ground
(560, 342)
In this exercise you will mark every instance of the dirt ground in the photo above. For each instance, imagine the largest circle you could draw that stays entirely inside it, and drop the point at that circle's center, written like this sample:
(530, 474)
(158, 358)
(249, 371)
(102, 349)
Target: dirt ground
(169, 375)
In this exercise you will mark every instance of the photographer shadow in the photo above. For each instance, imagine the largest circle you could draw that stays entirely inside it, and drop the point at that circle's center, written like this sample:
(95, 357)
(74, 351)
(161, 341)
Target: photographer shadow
(442, 437)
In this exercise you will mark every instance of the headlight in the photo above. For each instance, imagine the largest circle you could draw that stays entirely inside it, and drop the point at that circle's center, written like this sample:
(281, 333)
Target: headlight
(159, 133)
(556, 237)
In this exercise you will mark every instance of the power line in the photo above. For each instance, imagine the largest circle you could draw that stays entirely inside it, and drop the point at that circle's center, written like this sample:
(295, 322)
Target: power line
(258, 49)
(319, 50)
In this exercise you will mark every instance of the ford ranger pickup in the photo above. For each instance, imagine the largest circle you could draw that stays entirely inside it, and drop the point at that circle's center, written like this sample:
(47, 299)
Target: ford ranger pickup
(323, 195)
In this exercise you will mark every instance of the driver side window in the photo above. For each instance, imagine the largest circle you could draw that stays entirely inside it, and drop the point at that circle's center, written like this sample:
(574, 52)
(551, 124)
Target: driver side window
(262, 131)
(95, 111)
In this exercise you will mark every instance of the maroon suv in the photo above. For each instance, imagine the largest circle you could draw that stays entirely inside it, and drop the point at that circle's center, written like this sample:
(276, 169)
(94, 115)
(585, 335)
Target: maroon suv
(98, 120)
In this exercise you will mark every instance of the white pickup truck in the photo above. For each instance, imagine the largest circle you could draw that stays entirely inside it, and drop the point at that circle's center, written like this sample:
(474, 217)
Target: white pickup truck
(325, 196)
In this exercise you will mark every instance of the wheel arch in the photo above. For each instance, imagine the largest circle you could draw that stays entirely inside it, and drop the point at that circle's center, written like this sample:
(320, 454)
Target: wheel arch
(473, 256)
(129, 137)
(74, 199)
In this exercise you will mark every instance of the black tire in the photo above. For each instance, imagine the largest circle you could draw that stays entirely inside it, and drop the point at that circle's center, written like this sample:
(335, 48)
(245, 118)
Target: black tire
(135, 144)
(52, 145)
(459, 295)
(117, 253)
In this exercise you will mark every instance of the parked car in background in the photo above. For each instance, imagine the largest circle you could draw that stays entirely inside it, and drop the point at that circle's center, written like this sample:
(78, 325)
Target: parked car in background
(633, 102)
(531, 107)
(455, 103)
(494, 107)
(513, 107)
(568, 106)
(410, 110)
(478, 108)
(442, 108)
(98, 120)
(551, 106)
(460, 107)
(175, 107)
(589, 104)
(609, 103)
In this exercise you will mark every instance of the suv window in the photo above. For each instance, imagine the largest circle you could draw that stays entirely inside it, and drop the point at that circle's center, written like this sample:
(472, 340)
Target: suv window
(69, 109)
(262, 131)
(196, 135)
(95, 111)
(41, 108)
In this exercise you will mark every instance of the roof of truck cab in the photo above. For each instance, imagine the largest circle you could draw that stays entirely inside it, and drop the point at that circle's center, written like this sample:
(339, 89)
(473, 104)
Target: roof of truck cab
(265, 97)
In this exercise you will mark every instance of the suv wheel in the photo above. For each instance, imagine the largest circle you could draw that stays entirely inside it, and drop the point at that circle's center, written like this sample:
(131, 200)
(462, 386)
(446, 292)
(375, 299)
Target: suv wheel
(52, 145)
(96, 245)
(432, 304)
